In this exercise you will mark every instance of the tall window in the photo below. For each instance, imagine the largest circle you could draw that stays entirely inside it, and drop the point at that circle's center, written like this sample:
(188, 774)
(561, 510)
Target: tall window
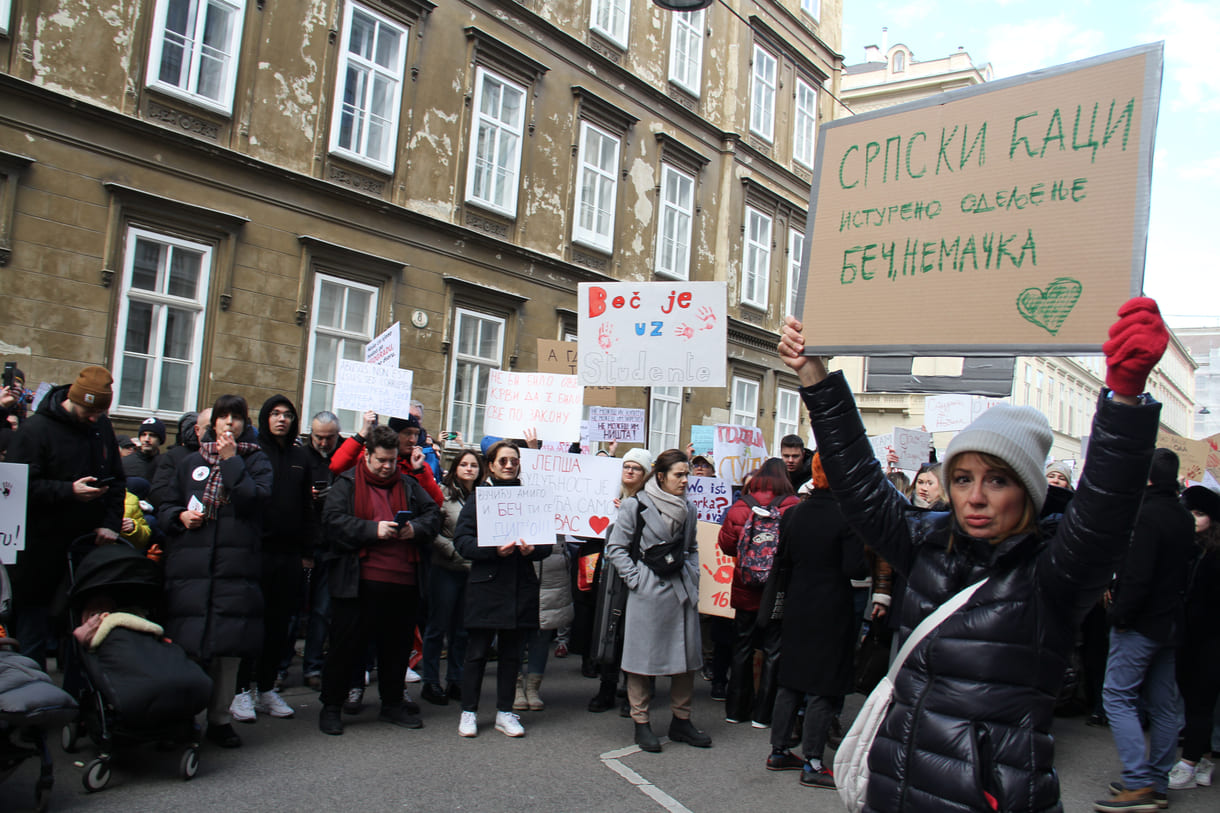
(745, 402)
(609, 18)
(756, 264)
(6, 11)
(1029, 380)
(796, 250)
(368, 88)
(496, 131)
(344, 316)
(478, 341)
(762, 94)
(787, 415)
(194, 49)
(664, 418)
(806, 122)
(597, 190)
(812, 7)
(900, 61)
(160, 324)
(677, 214)
(686, 50)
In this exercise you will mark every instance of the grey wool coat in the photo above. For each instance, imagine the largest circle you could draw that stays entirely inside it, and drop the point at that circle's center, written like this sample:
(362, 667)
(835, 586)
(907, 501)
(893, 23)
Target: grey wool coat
(661, 624)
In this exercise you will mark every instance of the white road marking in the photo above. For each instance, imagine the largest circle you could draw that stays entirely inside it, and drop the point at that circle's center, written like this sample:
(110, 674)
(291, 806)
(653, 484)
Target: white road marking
(611, 760)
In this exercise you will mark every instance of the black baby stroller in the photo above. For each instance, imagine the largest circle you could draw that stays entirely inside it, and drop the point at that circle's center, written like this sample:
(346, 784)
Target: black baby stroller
(137, 687)
(30, 704)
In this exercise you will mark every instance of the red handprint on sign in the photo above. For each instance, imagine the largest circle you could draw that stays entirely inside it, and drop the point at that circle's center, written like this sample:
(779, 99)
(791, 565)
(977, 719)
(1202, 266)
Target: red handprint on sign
(685, 331)
(604, 339)
(708, 317)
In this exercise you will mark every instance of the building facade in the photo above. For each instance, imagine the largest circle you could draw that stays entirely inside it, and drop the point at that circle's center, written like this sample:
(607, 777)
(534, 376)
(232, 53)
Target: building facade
(226, 196)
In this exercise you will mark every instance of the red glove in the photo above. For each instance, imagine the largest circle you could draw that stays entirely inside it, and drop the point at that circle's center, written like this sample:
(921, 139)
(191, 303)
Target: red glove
(1137, 342)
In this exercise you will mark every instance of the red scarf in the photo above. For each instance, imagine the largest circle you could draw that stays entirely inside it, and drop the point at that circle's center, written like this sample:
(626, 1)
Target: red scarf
(365, 480)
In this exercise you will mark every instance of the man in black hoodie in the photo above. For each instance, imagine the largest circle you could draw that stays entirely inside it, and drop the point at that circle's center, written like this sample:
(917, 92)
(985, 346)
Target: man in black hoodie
(797, 460)
(289, 530)
(76, 489)
(191, 428)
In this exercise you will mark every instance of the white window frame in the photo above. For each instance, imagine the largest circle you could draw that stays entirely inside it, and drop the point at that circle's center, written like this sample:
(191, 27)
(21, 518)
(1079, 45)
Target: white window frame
(686, 51)
(900, 62)
(675, 224)
(193, 48)
(6, 13)
(364, 336)
(160, 302)
(371, 72)
(813, 8)
(805, 123)
(508, 165)
(664, 418)
(592, 181)
(796, 250)
(610, 19)
(765, 79)
(745, 402)
(473, 429)
(756, 259)
(787, 414)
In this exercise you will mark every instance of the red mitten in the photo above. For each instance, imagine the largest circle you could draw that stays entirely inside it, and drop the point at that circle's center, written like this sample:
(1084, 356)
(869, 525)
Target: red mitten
(1137, 342)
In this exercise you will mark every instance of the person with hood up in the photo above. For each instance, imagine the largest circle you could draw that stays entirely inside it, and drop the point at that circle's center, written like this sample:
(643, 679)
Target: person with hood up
(213, 516)
(192, 426)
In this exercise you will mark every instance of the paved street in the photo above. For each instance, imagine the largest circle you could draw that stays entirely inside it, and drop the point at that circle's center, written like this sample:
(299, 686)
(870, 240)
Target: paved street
(570, 760)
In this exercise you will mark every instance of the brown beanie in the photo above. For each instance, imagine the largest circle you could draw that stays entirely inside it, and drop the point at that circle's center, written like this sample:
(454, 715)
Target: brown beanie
(92, 388)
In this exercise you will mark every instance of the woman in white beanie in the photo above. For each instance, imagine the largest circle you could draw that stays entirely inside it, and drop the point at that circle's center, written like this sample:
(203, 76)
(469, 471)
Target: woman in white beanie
(970, 724)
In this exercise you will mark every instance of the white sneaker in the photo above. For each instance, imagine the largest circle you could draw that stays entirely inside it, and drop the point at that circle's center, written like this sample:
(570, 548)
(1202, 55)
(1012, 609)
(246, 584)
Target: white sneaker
(242, 707)
(1203, 772)
(1182, 776)
(469, 725)
(509, 723)
(413, 676)
(271, 703)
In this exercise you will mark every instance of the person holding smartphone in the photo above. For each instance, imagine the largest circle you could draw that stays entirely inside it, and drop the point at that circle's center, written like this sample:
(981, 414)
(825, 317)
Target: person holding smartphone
(378, 521)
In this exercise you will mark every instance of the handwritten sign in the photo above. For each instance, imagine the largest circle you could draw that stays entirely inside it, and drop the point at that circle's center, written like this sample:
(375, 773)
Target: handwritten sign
(615, 423)
(360, 386)
(563, 357)
(711, 496)
(509, 513)
(912, 447)
(1213, 454)
(14, 487)
(1026, 197)
(383, 350)
(947, 413)
(546, 402)
(645, 334)
(1192, 454)
(882, 445)
(715, 573)
(739, 450)
(581, 489)
(703, 438)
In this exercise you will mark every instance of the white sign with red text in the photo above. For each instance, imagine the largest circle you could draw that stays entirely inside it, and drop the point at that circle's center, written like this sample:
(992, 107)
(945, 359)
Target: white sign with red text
(581, 488)
(383, 350)
(738, 450)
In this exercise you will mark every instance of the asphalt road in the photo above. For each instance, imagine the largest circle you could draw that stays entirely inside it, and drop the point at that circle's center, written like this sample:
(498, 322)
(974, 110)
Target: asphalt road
(569, 760)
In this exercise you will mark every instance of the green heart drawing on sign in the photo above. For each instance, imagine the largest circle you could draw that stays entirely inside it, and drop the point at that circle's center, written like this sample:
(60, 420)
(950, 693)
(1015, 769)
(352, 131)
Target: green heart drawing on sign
(1050, 308)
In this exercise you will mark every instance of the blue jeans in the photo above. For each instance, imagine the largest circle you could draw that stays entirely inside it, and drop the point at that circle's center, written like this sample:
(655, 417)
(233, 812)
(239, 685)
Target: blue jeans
(446, 600)
(1140, 674)
(537, 649)
(319, 621)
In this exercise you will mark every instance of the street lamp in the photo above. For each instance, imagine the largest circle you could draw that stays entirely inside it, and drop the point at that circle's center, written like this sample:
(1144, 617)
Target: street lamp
(683, 5)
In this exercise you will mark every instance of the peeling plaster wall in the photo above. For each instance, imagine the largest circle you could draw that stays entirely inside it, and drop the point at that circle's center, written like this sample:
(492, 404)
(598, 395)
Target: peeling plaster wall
(86, 50)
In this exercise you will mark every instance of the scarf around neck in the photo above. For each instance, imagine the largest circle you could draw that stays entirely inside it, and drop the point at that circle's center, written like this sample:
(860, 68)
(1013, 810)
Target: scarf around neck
(365, 480)
(214, 492)
(671, 506)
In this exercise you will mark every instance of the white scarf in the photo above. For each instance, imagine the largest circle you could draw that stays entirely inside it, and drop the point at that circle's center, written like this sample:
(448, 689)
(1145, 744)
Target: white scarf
(671, 506)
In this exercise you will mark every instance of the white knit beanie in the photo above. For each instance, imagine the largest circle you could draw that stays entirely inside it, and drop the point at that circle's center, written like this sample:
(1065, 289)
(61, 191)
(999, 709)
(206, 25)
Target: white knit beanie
(640, 456)
(1018, 435)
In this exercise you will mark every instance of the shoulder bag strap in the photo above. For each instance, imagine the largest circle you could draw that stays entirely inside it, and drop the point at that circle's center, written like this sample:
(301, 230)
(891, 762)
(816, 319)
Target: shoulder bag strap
(634, 549)
(930, 623)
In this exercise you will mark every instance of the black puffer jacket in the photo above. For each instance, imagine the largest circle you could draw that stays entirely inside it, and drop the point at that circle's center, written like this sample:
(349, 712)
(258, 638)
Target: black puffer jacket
(289, 521)
(973, 705)
(167, 463)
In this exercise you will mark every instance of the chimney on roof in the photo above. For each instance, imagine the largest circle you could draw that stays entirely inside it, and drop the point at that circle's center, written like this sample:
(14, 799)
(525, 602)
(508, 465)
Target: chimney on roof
(872, 53)
(885, 39)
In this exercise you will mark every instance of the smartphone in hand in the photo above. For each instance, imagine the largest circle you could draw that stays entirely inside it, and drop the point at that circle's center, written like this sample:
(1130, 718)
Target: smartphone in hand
(402, 518)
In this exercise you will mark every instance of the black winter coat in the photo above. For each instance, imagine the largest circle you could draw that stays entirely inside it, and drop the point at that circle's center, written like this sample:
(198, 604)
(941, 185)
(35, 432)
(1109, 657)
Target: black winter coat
(501, 591)
(59, 450)
(974, 703)
(214, 605)
(347, 534)
(1149, 594)
(821, 555)
(166, 472)
(289, 524)
(319, 472)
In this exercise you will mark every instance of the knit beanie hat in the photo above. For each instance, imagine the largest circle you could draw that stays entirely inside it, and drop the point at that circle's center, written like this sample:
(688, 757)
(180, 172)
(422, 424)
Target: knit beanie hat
(92, 388)
(1062, 468)
(1018, 435)
(153, 425)
(641, 457)
(1164, 470)
(1202, 498)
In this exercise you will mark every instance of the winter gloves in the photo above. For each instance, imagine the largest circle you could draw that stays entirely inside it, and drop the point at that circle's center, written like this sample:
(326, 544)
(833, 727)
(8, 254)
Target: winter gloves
(1137, 342)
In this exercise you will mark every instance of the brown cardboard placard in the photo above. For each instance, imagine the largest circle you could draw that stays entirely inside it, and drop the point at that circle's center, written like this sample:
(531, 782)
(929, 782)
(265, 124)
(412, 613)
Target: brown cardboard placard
(555, 356)
(715, 573)
(1192, 454)
(1009, 217)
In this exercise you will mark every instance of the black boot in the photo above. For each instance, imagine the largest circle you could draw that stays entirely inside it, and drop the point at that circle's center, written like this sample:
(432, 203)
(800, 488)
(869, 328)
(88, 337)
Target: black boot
(684, 731)
(331, 720)
(602, 701)
(646, 739)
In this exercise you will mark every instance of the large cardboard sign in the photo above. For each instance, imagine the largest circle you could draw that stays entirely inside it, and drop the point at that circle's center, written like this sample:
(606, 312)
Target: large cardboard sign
(1192, 454)
(711, 496)
(1020, 207)
(546, 402)
(738, 450)
(510, 513)
(360, 386)
(582, 488)
(715, 573)
(14, 488)
(616, 423)
(653, 334)
(562, 357)
(384, 349)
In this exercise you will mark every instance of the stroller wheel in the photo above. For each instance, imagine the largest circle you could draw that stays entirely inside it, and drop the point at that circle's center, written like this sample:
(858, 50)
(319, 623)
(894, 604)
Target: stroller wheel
(68, 736)
(188, 766)
(97, 775)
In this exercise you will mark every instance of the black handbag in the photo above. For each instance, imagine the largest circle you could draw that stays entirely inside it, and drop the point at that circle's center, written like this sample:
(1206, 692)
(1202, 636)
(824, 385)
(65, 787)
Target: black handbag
(873, 656)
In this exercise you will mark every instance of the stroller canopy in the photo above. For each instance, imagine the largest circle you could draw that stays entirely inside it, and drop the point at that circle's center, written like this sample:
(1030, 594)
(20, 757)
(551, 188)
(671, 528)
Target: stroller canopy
(118, 570)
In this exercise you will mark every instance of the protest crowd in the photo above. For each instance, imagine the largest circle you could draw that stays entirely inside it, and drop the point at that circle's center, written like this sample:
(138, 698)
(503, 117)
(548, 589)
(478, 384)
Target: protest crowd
(1090, 592)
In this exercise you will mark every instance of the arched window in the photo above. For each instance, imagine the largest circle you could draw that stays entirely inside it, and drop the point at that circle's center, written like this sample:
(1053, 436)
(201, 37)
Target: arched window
(900, 61)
